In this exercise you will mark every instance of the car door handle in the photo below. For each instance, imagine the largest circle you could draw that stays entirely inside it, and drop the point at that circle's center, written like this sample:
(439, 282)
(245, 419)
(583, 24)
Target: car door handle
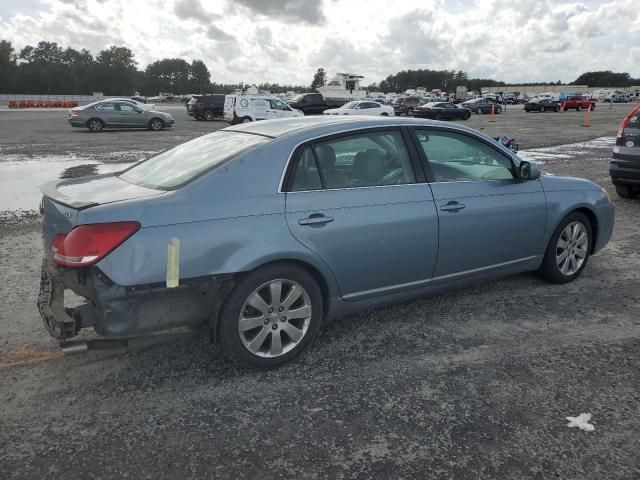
(315, 219)
(452, 207)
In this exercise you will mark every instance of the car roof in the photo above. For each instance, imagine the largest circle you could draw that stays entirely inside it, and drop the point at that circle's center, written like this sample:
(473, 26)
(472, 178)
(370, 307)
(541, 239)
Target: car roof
(332, 124)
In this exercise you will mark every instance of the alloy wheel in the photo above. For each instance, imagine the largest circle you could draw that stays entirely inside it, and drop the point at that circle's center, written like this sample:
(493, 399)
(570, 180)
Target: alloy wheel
(156, 124)
(275, 318)
(572, 248)
(95, 125)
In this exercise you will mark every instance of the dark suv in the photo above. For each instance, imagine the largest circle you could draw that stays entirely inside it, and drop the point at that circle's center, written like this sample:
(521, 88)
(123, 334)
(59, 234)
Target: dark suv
(624, 168)
(408, 105)
(206, 107)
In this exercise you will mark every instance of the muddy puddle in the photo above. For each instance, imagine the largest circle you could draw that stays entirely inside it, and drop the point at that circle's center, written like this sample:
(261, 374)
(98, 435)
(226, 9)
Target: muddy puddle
(20, 180)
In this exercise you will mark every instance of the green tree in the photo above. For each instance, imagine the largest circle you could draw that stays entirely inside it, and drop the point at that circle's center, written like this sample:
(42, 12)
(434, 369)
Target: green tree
(319, 79)
(199, 77)
(7, 66)
(116, 71)
(605, 78)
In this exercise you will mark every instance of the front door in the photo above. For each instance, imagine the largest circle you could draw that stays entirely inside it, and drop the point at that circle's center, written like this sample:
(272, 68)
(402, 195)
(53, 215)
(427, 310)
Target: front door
(488, 219)
(359, 202)
(129, 116)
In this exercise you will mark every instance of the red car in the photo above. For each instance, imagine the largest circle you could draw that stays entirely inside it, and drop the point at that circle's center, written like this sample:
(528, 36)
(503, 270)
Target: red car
(578, 103)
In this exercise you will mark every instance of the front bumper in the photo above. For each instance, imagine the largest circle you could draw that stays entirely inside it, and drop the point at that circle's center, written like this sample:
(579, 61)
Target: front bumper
(115, 310)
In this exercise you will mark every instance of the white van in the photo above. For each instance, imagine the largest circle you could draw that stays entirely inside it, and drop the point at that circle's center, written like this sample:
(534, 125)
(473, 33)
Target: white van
(242, 108)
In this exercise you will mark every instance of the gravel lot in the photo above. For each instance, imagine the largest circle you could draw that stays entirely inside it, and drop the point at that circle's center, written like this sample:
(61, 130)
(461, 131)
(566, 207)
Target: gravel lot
(473, 384)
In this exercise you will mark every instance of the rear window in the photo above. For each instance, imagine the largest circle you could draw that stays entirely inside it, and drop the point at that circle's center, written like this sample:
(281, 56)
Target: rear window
(182, 164)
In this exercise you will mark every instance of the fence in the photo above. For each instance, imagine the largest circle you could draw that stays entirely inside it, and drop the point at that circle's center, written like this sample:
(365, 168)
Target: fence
(44, 101)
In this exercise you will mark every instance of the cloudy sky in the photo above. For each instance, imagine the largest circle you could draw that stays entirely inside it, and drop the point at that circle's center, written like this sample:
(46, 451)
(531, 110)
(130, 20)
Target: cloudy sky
(285, 41)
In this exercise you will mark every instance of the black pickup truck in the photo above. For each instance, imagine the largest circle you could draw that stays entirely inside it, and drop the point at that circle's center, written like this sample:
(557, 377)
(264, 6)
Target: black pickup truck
(314, 103)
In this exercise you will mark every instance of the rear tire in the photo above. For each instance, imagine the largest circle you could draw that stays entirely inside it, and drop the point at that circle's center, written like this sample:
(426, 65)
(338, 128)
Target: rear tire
(625, 191)
(576, 250)
(208, 115)
(466, 116)
(250, 314)
(542, 109)
(95, 125)
(499, 110)
(479, 111)
(156, 124)
(578, 108)
(384, 114)
(246, 120)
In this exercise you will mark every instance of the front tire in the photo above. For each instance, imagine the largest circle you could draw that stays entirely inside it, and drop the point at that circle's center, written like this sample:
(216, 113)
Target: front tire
(246, 120)
(479, 111)
(568, 250)
(272, 315)
(156, 124)
(466, 116)
(625, 191)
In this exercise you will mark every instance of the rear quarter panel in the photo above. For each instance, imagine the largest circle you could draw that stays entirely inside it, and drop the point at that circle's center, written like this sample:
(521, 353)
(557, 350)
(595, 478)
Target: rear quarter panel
(230, 220)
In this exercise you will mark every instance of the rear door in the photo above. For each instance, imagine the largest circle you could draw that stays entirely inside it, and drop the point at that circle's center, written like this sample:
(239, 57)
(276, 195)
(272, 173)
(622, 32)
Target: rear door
(360, 202)
(109, 114)
(488, 219)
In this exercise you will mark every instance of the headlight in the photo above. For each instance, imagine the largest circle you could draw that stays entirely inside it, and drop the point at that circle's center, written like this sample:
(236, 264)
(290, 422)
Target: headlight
(606, 194)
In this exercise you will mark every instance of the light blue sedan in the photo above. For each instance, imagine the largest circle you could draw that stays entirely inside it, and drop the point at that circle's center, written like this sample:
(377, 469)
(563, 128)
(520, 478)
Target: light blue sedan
(264, 231)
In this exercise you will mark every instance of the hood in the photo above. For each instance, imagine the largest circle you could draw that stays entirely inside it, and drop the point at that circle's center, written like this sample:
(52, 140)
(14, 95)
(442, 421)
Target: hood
(551, 183)
(87, 192)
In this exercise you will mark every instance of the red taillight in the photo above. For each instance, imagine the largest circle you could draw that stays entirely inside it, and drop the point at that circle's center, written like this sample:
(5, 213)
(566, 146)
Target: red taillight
(87, 244)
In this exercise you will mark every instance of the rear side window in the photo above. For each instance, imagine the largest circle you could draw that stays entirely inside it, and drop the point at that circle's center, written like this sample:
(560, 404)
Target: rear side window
(306, 175)
(364, 160)
(106, 107)
(180, 165)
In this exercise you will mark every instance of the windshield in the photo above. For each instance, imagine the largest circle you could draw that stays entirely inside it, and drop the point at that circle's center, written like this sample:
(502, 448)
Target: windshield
(178, 166)
(350, 105)
(297, 98)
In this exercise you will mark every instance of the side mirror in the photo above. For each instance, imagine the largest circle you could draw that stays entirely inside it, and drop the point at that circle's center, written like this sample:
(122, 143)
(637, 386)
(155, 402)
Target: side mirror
(528, 171)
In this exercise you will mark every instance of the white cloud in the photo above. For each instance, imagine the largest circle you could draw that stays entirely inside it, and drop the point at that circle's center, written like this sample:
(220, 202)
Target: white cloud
(285, 41)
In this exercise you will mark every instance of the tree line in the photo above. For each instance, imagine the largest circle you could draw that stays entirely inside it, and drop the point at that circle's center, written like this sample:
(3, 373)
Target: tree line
(49, 68)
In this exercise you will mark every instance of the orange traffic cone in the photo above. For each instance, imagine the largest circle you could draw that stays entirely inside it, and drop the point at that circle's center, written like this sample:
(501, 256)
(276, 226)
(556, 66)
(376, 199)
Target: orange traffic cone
(493, 113)
(587, 118)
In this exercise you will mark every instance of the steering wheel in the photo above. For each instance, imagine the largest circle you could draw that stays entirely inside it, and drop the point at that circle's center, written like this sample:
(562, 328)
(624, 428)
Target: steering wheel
(394, 177)
(389, 166)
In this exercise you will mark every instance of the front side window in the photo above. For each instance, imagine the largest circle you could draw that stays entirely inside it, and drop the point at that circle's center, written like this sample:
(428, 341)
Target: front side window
(182, 164)
(126, 107)
(364, 160)
(350, 105)
(454, 158)
(278, 105)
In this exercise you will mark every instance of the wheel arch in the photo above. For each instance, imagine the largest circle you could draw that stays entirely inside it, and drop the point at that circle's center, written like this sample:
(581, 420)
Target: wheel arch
(593, 220)
(313, 270)
(94, 118)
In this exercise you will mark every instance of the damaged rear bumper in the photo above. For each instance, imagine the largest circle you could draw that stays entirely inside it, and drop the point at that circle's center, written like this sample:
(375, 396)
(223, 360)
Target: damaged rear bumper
(115, 310)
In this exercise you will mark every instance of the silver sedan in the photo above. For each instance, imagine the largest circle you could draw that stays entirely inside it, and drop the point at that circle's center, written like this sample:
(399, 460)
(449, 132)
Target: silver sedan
(117, 114)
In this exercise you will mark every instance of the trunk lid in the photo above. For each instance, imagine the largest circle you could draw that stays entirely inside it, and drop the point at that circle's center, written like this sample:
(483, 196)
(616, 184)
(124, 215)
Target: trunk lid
(63, 199)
